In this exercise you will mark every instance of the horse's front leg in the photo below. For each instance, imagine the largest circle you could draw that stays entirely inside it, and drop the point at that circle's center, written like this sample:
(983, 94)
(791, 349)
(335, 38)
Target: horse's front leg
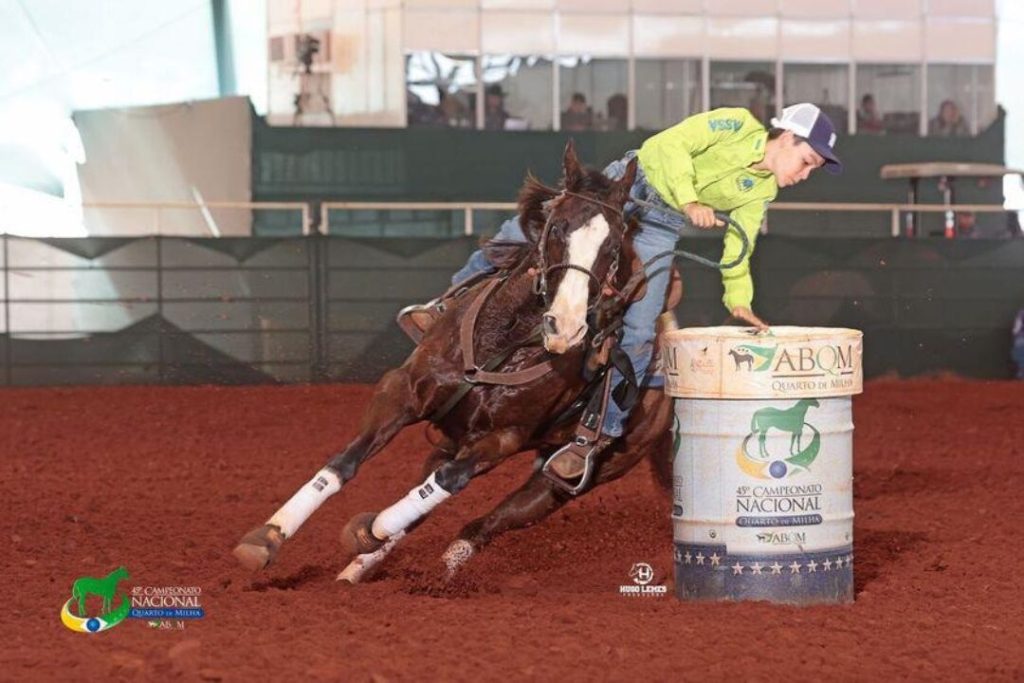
(370, 537)
(391, 409)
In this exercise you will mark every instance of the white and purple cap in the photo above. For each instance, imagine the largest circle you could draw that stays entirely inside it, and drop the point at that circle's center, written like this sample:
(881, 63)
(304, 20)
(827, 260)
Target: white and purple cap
(814, 126)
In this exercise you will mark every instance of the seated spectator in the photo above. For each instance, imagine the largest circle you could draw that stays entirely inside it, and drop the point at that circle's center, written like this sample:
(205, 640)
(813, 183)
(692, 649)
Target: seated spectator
(761, 107)
(868, 119)
(1018, 343)
(618, 112)
(578, 116)
(967, 224)
(495, 115)
(454, 112)
(419, 113)
(949, 122)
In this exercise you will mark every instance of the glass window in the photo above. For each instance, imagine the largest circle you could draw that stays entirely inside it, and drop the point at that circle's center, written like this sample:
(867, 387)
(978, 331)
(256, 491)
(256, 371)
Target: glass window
(667, 91)
(888, 98)
(517, 92)
(744, 84)
(440, 90)
(592, 93)
(961, 100)
(826, 85)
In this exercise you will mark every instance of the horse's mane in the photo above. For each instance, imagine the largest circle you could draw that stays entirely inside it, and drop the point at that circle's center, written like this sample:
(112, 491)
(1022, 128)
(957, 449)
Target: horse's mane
(531, 200)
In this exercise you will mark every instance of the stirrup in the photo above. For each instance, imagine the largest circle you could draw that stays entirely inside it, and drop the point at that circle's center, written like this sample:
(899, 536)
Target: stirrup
(579, 449)
(407, 318)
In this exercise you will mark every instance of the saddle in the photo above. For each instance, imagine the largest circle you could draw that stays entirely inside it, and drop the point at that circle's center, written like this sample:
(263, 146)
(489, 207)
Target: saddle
(571, 467)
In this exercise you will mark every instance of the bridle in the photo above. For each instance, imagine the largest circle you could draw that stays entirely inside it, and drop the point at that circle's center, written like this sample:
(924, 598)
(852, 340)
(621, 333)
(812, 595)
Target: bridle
(540, 283)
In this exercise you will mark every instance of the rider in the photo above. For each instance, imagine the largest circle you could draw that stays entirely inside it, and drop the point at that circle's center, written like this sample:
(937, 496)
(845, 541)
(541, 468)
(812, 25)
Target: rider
(724, 159)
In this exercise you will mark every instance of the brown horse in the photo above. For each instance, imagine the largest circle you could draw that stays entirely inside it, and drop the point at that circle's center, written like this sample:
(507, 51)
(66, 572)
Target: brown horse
(580, 251)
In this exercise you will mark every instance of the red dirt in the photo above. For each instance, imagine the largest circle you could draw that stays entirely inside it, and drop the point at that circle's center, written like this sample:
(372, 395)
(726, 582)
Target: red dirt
(165, 481)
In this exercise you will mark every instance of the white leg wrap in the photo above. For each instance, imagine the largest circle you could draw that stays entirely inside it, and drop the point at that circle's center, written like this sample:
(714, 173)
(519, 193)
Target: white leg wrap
(305, 502)
(417, 503)
(362, 565)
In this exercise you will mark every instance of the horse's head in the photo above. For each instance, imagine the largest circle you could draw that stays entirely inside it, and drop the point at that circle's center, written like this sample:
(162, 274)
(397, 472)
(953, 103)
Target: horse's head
(120, 573)
(579, 234)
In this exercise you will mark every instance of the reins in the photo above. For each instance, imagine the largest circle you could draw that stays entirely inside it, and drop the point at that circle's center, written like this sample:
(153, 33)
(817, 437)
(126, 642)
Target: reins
(486, 373)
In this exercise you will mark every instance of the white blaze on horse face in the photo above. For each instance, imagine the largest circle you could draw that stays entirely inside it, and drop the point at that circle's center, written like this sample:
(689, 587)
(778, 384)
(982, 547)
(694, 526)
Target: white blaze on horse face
(569, 309)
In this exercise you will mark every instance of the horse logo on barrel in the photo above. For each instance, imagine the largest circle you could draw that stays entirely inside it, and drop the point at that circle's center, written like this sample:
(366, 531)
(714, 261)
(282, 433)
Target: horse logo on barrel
(106, 588)
(763, 464)
(753, 358)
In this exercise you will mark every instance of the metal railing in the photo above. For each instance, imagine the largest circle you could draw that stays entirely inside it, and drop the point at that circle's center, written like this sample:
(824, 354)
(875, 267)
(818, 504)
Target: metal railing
(157, 213)
(158, 223)
(469, 209)
(895, 211)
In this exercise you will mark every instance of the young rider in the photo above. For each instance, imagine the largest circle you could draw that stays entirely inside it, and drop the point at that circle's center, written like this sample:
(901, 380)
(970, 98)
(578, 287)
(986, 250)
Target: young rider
(723, 159)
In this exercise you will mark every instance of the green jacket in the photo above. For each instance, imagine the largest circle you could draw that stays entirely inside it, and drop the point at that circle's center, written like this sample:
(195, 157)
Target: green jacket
(707, 159)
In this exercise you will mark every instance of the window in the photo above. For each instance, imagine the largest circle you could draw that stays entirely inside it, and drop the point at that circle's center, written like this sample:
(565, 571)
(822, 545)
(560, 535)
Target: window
(826, 85)
(888, 98)
(961, 99)
(440, 90)
(593, 93)
(744, 84)
(667, 91)
(517, 92)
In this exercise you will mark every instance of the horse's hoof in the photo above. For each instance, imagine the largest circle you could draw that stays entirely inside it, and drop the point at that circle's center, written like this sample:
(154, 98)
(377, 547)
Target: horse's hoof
(357, 537)
(259, 547)
(366, 566)
(458, 554)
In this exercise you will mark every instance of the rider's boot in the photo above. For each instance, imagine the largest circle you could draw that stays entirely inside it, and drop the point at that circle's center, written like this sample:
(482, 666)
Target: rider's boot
(416, 320)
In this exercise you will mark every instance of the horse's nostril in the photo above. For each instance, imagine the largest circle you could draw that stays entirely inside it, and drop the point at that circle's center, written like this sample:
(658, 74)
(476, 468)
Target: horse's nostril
(549, 325)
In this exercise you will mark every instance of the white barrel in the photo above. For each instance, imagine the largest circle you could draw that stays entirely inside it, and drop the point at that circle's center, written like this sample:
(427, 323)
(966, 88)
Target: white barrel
(763, 470)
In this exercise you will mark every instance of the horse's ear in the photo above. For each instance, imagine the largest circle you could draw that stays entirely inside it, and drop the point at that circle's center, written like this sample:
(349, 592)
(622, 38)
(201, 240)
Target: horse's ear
(620, 194)
(571, 169)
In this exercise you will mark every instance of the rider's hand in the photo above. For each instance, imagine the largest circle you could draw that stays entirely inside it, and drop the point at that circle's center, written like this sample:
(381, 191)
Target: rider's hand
(746, 315)
(701, 216)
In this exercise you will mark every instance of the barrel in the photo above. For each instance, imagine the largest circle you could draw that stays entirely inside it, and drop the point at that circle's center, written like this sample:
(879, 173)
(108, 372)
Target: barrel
(763, 462)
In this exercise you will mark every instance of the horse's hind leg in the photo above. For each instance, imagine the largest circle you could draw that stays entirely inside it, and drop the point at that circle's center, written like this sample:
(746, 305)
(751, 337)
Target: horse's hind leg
(369, 537)
(390, 410)
(537, 499)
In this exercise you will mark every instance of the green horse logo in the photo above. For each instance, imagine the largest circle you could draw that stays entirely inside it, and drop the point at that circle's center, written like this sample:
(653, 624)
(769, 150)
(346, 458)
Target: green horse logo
(764, 465)
(106, 589)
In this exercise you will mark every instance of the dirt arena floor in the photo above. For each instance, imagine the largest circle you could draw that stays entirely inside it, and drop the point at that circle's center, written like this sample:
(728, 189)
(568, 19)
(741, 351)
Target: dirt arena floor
(165, 480)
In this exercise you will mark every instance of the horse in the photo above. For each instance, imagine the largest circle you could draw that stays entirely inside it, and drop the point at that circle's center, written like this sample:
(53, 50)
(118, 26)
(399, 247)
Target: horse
(790, 420)
(579, 249)
(105, 588)
(741, 358)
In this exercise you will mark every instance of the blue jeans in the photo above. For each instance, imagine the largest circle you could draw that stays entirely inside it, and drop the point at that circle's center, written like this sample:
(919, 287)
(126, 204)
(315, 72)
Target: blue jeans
(658, 232)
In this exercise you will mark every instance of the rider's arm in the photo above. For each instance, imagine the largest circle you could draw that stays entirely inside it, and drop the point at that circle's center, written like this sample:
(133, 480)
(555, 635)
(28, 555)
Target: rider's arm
(739, 287)
(667, 158)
